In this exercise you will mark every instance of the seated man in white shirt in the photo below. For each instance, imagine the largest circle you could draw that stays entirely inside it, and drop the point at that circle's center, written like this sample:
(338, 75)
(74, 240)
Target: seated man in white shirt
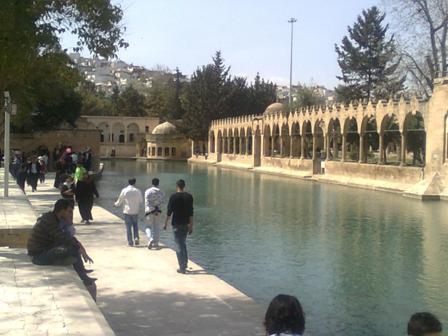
(131, 198)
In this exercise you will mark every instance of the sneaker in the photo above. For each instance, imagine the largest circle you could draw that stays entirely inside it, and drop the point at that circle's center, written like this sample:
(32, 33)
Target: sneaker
(87, 222)
(136, 242)
(182, 271)
(150, 245)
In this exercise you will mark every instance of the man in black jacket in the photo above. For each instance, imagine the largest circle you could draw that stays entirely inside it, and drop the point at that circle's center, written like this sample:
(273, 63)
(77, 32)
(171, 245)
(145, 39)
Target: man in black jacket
(52, 241)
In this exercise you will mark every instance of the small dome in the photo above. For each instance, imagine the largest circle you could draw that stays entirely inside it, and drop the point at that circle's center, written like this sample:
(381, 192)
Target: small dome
(165, 128)
(275, 108)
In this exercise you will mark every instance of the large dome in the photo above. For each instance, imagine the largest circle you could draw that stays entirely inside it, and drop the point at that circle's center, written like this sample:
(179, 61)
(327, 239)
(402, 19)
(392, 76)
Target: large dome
(165, 128)
(275, 108)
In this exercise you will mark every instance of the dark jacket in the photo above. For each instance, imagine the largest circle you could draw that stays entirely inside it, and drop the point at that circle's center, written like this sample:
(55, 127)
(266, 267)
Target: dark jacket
(47, 234)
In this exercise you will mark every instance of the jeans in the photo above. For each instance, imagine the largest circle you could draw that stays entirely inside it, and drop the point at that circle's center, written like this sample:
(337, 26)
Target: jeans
(153, 228)
(180, 238)
(131, 222)
(61, 255)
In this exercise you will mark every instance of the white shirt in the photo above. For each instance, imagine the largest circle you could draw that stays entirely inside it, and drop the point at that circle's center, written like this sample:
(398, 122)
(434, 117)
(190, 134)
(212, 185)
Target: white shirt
(154, 197)
(131, 198)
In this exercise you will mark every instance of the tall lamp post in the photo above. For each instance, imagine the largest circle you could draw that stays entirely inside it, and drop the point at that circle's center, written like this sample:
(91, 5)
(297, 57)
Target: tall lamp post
(291, 21)
(6, 147)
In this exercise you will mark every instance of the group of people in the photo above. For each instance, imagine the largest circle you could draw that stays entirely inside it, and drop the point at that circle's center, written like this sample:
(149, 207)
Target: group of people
(66, 161)
(179, 212)
(285, 317)
(29, 169)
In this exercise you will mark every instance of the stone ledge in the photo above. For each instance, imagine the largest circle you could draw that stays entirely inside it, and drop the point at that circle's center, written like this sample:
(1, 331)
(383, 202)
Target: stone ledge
(45, 300)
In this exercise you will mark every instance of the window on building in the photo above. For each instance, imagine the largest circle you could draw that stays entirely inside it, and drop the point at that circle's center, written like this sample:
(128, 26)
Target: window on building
(102, 136)
(167, 151)
(147, 129)
(131, 137)
(159, 151)
(121, 138)
(153, 151)
(173, 151)
(112, 137)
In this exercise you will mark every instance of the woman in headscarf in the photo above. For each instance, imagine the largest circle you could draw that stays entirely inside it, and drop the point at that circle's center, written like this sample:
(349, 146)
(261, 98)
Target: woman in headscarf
(85, 190)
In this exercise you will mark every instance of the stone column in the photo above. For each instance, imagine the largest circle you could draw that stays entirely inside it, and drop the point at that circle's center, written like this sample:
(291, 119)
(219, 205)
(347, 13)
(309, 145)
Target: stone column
(240, 146)
(281, 146)
(403, 148)
(327, 147)
(272, 145)
(335, 146)
(344, 147)
(302, 147)
(314, 146)
(126, 134)
(361, 148)
(381, 148)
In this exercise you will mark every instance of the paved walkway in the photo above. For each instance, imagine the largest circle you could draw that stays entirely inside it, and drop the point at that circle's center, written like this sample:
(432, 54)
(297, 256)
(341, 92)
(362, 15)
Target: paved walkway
(140, 293)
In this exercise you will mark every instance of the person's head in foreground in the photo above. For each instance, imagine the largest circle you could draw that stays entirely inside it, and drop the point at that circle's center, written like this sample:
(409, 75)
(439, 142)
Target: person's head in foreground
(155, 182)
(284, 316)
(63, 209)
(132, 181)
(424, 324)
(180, 185)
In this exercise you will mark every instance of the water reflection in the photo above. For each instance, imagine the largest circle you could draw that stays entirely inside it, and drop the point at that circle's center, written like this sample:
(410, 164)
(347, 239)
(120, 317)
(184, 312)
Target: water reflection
(360, 261)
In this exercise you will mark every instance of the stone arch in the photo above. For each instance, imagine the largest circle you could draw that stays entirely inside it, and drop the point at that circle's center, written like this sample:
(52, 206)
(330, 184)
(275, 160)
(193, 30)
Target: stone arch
(249, 143)
(267, 141)
(133, 131)
(369, 140)
(236, 141)
(276, 140)
(295, 139)
(212, 141)
(334, 140)
(390, 140)
(104, 132)
(118, 133)
(414, 139)
(319, 139)
(285, 142)
(225, 139)
(243, 141)
(351, 147)
(307, 140)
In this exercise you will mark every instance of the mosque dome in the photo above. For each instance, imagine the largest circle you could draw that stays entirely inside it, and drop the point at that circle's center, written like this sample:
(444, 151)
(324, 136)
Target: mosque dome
(165, 129)
(275, 108)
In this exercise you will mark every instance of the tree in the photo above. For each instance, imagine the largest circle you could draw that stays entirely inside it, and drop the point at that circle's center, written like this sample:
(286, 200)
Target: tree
(29, 39)
(368, 60)
(422, 27)
(307, 96)
(131, 103)
(262, 95)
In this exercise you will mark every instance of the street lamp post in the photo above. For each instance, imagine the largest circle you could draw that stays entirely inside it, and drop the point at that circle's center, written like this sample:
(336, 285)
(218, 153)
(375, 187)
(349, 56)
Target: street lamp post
(6, 147)
(291, 21)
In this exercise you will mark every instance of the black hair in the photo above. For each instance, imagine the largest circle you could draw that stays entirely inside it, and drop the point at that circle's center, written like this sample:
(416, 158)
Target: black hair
(132, 181)
(284, 315)
(155, 182)
(180, 184)
(62, 204)
(423, 323)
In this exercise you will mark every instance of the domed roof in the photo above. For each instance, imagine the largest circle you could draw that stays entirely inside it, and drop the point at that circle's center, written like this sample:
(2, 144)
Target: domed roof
(165, 128)
(275, 108)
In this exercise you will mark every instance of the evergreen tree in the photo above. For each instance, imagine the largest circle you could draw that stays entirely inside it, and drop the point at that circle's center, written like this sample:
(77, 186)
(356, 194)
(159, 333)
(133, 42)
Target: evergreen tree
(367, 59)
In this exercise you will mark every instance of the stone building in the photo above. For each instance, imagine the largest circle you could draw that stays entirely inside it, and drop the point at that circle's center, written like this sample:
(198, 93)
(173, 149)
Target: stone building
(398, 145)
(121, 136)
(167, 143)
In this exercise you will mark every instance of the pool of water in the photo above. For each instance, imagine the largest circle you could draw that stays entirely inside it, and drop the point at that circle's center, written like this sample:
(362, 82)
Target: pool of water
(361, 262)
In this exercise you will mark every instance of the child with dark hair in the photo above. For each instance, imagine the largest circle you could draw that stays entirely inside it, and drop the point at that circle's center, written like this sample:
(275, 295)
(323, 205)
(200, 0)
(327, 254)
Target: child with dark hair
(424, 324)
(284, 317)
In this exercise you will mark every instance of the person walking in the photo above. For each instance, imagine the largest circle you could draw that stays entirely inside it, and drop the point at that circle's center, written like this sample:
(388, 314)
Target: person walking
(33, 173)
(131, 198)
(180, 207)
(85, 190)
(154, 199)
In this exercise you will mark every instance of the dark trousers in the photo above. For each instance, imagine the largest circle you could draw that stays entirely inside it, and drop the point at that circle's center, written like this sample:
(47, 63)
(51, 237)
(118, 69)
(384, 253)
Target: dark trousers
(32, 179)
(180, 238)
(85, 208)
(62, 255)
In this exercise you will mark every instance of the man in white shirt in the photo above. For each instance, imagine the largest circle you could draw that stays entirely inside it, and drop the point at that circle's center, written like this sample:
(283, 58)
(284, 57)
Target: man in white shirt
(154, 198)
(131, 198)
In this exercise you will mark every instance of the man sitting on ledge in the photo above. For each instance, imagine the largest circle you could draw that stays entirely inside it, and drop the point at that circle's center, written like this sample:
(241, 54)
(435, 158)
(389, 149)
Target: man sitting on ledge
(52, 242)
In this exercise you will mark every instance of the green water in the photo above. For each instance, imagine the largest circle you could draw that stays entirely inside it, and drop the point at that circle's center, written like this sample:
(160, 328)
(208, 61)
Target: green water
(361, 262)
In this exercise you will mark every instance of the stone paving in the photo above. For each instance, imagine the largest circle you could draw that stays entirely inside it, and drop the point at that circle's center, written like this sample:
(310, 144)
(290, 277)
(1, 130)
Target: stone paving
(140, 293)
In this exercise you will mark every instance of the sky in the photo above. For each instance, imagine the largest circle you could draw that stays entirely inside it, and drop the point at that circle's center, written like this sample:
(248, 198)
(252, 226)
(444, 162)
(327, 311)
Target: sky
(253, 36)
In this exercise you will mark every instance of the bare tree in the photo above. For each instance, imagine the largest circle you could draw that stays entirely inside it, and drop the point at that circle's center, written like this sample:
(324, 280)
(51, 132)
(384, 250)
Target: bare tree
(422, 28)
